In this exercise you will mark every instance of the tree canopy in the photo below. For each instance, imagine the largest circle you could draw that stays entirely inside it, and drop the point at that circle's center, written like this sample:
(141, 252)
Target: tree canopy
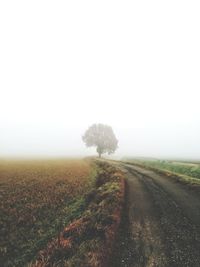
(102, 137)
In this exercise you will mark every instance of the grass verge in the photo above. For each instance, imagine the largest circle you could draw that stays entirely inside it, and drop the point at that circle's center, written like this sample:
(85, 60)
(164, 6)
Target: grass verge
(191, 182)
(88, 241)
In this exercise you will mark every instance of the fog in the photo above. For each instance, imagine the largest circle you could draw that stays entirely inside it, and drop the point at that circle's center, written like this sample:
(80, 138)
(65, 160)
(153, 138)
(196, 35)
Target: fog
(134, 65)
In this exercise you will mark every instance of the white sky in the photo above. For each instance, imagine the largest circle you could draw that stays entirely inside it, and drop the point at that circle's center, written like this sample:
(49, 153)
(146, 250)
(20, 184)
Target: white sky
(132, 64)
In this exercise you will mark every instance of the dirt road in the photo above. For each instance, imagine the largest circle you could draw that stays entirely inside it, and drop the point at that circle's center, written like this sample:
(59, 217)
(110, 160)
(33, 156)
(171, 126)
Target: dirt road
(161, 223)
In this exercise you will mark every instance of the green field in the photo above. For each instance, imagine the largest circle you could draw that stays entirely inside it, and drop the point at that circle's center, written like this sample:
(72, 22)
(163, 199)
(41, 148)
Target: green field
(191, 169)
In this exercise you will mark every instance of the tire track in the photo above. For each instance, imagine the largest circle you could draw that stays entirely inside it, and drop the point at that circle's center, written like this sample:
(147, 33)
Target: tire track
(156, 230)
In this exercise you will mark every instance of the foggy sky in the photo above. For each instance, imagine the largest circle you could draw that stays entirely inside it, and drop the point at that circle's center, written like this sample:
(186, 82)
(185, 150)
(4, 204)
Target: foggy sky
(134, 65)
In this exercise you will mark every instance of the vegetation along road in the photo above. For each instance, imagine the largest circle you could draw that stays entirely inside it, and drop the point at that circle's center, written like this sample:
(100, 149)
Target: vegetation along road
(161, 225)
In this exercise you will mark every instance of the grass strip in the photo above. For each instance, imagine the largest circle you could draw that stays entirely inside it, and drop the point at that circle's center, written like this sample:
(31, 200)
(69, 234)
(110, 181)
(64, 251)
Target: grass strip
(190, 182)
(88, 241)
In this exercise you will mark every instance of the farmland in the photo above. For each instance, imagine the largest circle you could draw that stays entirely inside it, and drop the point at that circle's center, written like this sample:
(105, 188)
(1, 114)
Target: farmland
(58, 212)
(190, 169)
(37, 199)
(89, 240)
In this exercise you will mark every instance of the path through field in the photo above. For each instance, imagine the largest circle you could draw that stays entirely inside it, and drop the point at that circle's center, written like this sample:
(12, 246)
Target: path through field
(161, 224)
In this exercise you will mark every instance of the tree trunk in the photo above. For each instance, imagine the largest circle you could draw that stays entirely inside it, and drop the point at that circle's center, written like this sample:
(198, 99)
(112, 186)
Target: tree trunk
(99, 155)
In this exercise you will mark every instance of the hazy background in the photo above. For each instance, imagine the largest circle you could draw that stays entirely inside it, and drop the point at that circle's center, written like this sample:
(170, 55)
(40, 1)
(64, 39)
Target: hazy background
(134, 65)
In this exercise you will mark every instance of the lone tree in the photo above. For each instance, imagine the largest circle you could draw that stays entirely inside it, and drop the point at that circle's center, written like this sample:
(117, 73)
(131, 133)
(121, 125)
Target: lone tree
(102, 137)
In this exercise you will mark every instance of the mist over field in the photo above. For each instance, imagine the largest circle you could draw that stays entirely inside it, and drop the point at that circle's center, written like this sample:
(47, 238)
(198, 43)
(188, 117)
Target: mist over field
(133, 66)
(81, 80)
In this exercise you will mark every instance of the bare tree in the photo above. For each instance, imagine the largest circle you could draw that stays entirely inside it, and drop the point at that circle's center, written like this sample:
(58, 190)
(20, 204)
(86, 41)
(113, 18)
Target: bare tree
(102, 137)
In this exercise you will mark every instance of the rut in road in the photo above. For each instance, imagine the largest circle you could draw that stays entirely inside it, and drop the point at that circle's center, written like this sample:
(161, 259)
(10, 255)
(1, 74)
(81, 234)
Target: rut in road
(156, 228)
